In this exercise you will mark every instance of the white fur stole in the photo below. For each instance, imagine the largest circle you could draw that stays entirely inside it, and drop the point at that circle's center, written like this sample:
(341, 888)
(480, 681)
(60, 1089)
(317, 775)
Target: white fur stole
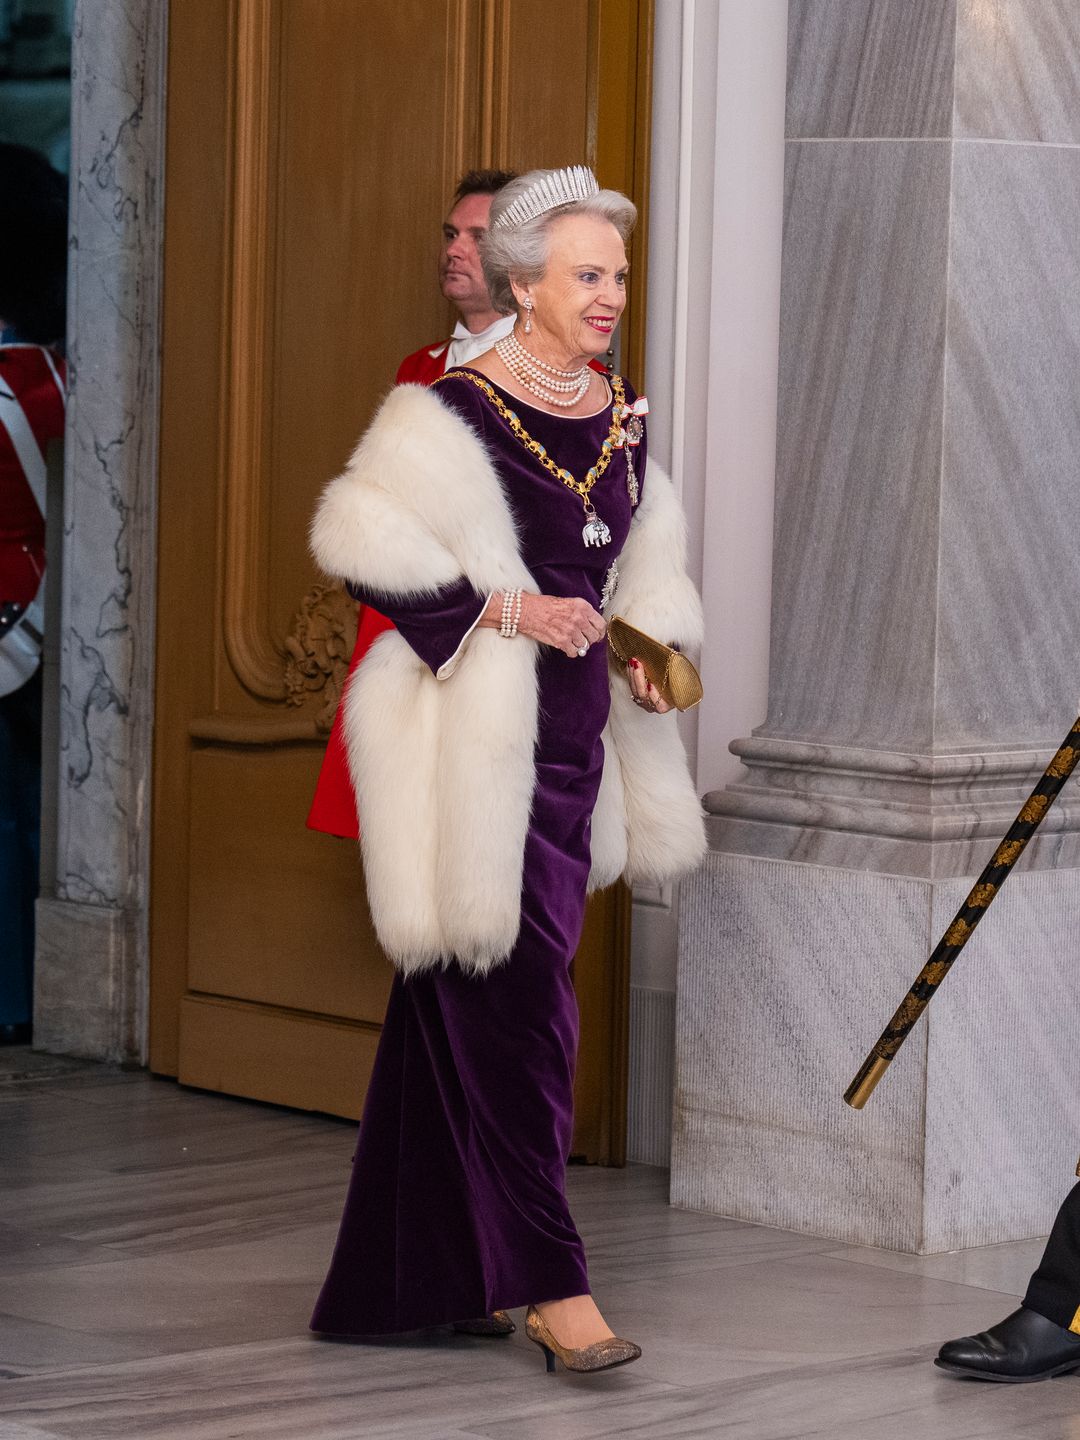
(443, 769)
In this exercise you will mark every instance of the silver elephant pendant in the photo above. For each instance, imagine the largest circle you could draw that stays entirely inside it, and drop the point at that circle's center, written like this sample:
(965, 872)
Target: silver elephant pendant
(595, 532)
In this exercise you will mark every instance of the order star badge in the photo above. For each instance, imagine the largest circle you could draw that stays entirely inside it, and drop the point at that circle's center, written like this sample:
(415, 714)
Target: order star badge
(631, 434)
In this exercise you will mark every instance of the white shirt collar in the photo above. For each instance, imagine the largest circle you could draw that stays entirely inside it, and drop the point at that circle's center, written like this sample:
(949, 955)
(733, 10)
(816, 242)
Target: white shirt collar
(465, 346)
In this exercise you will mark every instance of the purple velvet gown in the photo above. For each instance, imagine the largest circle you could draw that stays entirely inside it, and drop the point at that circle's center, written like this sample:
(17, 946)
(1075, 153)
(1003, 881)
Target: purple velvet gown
(457, 1204)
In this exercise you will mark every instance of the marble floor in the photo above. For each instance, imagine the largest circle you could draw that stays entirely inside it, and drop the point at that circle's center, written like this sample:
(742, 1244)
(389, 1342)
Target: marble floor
(160, 1249)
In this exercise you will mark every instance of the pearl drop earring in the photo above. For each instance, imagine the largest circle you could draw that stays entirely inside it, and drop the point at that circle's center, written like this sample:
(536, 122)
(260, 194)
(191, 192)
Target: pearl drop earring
(528, 317)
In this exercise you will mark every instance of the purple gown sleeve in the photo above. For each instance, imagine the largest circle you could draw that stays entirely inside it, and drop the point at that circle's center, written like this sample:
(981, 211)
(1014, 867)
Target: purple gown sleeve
(435, 625)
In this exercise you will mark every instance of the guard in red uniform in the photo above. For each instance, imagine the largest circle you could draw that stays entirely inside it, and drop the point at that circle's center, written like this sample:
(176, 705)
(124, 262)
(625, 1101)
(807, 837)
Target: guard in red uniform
(461, 279)
(31, 414)
(33, 265)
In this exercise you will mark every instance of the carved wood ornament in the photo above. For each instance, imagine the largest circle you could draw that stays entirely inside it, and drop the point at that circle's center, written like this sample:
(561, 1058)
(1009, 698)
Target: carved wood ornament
(318, 649)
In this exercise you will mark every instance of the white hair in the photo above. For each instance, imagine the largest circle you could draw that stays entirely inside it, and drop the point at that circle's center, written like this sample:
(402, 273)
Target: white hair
(520, 252)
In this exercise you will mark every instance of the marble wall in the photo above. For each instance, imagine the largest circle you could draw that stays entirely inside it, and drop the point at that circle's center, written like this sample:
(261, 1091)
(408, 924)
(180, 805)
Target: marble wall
(90, 967)
(871, 69)
(930, 333)
(924, 584)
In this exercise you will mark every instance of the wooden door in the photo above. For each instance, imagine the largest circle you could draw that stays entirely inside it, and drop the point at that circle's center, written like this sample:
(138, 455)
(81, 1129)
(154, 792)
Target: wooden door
(312, 147)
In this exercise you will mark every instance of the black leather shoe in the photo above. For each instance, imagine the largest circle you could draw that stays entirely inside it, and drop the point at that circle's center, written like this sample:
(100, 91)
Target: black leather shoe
(1024, 1346)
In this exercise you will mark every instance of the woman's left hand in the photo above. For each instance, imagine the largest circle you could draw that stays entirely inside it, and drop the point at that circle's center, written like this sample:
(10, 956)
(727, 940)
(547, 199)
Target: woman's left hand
(643, 692)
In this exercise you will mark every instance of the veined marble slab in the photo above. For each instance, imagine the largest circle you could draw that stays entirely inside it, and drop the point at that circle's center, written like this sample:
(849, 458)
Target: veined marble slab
(1018, 70)
(107, 605)
(1009, 582)
(870, 68)
(862, 349)
(789, 973)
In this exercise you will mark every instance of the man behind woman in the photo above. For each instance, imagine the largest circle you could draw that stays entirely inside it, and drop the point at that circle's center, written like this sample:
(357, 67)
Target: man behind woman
(33, 268)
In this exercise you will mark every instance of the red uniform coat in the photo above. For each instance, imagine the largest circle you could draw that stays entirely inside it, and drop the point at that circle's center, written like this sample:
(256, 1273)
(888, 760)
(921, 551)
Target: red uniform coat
(36, 379)
(424, 366)
(333, 809)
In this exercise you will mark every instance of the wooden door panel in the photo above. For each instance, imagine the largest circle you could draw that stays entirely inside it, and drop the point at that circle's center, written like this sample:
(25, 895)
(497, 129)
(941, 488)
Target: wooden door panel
(286, 1057)
(279, 917)
(362, 176)
(547, 61)
(312, 145)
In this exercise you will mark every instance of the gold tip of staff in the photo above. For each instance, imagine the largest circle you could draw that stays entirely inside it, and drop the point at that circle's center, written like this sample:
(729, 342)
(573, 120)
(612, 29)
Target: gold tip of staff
(862, 1087)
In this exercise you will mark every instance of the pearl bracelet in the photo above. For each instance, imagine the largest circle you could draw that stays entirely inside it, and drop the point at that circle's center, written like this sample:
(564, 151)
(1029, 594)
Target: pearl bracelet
(511, 613)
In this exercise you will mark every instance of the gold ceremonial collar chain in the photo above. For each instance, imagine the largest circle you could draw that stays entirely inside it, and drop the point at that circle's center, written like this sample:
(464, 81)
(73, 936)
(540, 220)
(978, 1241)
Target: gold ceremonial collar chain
(595, 532)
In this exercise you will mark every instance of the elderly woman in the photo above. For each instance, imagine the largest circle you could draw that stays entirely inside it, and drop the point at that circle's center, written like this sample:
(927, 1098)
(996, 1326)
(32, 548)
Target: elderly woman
(502, 769)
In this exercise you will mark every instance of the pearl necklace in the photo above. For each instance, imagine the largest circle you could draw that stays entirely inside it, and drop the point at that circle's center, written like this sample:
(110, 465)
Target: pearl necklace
(555, 387)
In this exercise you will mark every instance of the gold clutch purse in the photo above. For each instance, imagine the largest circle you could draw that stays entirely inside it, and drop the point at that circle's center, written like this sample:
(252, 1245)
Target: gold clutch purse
(669, 670)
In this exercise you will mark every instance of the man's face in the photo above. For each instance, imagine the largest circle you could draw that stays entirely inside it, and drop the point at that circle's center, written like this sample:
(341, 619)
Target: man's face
(460, 274)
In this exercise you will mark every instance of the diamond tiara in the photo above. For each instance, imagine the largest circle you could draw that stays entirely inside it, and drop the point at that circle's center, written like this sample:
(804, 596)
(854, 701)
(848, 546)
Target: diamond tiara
(557, 187)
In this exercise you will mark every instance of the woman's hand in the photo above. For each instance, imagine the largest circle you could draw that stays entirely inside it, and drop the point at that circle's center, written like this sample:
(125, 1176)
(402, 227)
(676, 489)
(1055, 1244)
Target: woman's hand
(570, 625)
(643, 692)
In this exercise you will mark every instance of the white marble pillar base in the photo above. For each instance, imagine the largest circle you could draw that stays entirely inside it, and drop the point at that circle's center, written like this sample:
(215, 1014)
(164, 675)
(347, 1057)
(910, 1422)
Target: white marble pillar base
(787, 974)
(84, 956)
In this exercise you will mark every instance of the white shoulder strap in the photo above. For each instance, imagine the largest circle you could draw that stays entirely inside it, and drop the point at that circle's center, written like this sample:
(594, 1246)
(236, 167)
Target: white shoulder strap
(13, 419)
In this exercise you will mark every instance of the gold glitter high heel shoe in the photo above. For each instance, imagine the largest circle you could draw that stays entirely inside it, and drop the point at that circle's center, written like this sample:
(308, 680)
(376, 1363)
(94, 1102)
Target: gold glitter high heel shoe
(604, 1355)
(497, 1323)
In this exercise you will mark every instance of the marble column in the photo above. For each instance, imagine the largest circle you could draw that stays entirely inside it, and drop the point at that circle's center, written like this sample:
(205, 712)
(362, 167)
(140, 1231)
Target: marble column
(923, 655)
(715, 211)
(90, 963)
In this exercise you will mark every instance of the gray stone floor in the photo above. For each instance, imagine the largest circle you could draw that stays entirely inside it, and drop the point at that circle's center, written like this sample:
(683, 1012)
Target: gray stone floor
(160, 1250)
